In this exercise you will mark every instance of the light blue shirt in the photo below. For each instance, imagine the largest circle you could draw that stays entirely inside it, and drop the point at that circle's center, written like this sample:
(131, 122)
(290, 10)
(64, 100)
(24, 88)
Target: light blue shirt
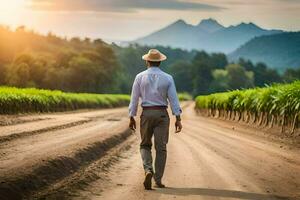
(155, 88)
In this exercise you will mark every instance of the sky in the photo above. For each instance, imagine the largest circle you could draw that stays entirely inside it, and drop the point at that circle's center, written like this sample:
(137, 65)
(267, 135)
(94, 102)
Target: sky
(123, 20)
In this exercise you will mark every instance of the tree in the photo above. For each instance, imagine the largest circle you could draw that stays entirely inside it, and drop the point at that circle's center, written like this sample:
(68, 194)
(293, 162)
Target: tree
(24, 58)
(291, 75)
(202, 73)
(108, 69)
(247, 64)
(87, 40)
(55, 78)
(81, 76)
(219, 60)
(19, 72)
(220, 82)
(75, 40)
(238, 77)
(263, 75)
(2, 74)
(19, 75)
(63, 57)
(181, 72)
(38, 71)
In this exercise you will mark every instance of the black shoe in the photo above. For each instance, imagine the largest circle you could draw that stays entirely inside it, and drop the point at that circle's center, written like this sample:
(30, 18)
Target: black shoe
(159, 185)
(148, 181)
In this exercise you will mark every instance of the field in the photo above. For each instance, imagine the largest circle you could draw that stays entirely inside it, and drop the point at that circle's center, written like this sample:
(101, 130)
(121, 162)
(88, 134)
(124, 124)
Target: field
(15, 100)
(278, 104)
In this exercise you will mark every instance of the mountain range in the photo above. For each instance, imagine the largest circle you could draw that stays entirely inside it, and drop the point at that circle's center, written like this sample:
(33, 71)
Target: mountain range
(277, 51)
(208, 35)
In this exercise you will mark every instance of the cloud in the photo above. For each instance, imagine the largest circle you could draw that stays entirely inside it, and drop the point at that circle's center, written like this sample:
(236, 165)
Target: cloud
(118, 5)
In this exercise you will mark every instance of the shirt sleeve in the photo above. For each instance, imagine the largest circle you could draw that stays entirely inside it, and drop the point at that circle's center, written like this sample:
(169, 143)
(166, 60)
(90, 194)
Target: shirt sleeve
(135, 95)
(173, 99)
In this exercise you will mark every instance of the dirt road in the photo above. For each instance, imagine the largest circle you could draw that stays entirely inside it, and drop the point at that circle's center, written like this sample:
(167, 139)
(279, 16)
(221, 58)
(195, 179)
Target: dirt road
(210, 159)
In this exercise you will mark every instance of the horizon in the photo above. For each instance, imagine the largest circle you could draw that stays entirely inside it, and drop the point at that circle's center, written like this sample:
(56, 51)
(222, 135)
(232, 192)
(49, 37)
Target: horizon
(131, 19)
(109, 40)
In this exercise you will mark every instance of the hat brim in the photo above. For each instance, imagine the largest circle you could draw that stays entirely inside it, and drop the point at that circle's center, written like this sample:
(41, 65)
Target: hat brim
(161, 58)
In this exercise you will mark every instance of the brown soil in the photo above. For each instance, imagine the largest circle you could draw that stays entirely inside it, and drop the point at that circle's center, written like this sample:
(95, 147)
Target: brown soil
(99, 159)
(37, 154)
(210, 160)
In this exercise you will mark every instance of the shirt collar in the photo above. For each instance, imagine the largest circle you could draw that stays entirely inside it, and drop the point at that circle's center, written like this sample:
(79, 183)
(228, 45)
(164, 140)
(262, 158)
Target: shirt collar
(152, 68)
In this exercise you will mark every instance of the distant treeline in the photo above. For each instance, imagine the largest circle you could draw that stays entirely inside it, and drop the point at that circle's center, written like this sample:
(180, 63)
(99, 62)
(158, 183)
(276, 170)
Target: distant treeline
(28, 59)
(198, 72)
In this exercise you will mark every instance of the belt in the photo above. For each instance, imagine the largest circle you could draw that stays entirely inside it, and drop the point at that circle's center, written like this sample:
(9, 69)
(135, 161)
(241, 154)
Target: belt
(155, 108)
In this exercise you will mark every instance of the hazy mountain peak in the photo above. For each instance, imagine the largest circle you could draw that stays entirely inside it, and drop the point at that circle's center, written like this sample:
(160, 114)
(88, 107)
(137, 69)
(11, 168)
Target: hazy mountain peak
(180, 22)
(208, 35)
(210, 25)
(209, 21)
(248, 26)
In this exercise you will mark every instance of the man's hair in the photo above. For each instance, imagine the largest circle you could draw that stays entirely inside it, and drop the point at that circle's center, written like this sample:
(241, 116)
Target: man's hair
(152, 63)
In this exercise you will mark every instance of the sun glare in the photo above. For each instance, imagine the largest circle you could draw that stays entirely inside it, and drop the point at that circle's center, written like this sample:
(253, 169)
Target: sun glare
(12, 6)
(11, 11)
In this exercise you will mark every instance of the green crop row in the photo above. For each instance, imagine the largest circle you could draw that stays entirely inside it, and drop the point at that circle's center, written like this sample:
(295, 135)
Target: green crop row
(15, 100)
(274, 105)
(184, 97)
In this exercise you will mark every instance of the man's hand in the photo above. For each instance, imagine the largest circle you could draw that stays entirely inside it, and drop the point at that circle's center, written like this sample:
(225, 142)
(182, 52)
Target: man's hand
(178, 126)
(132, 124)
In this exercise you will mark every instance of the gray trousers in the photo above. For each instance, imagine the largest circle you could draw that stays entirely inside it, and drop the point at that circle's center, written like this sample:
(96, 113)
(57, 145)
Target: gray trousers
(154, 122)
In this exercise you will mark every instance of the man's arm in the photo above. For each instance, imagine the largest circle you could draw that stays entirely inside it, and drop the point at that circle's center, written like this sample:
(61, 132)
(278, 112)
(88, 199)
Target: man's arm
(133, 106)
(175, 106)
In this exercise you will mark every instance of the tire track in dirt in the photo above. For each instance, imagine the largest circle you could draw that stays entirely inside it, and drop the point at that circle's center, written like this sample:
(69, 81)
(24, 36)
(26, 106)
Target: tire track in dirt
(36, 124)
(95, 171)
(19, 135)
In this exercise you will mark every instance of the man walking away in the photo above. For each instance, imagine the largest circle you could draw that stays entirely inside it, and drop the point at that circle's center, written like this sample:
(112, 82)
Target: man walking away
(155, 88)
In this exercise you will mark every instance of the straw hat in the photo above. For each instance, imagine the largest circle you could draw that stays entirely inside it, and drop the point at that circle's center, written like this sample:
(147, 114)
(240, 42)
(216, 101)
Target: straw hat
(154, 55)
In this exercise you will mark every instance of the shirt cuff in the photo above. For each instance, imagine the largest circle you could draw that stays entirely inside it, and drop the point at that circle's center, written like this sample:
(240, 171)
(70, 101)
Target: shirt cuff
(132, 114)
(177, 112)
